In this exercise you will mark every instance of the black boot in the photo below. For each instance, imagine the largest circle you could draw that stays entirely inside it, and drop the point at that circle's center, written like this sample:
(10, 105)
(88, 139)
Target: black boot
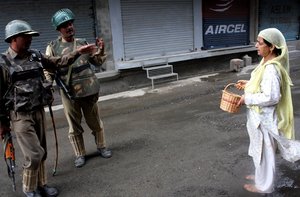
(48, 191)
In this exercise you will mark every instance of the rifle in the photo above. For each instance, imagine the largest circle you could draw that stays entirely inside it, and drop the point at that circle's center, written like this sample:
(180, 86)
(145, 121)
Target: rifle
(9, 157)
(63, 86)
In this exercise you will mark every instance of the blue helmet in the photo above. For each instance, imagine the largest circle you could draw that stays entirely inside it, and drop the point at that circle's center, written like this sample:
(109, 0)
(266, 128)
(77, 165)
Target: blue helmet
(16, 27)
(62, 16)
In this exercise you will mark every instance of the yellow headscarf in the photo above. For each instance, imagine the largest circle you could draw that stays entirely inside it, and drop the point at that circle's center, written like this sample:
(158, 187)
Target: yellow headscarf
(284, 108)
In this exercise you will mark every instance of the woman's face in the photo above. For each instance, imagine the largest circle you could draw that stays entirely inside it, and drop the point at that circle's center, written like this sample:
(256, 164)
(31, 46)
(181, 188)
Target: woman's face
(262, 48)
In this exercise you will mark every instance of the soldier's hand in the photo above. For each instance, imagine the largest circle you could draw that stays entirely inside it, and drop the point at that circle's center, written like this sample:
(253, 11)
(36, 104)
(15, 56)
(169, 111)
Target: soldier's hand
(100, 43)
(87, 49)
(3, 131)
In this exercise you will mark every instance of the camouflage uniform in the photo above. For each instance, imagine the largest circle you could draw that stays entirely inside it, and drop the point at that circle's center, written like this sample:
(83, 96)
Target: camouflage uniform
(84, 90)
(21, 102)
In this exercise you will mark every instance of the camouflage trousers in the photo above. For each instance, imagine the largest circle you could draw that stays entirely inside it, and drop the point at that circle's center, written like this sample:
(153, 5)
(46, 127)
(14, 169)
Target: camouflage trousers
(29, 128)
(74, 110)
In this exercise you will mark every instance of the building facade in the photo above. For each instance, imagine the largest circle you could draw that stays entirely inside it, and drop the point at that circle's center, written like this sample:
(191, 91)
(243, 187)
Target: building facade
(147, 31)
(141, 32)
(39, 12)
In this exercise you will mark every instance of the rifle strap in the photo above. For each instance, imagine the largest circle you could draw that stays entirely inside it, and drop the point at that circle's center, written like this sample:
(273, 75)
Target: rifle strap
(7, 62)
(70, 67)
(5, 59)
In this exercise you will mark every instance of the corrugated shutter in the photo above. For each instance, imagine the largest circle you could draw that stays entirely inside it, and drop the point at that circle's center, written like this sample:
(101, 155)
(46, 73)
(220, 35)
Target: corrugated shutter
(39, 12)
(225, 23)
(156, 28)
(283, 15)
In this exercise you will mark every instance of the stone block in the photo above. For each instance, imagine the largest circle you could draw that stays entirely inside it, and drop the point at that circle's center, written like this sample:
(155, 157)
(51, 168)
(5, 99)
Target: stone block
(236, 64)
(247, 60)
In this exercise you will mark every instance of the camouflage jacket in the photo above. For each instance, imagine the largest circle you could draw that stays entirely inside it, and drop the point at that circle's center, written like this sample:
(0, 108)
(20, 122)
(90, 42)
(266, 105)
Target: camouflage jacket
(81, 80)
(23, 92)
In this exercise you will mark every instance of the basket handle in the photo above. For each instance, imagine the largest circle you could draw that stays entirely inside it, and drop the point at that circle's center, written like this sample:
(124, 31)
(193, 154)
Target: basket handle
(229, 85)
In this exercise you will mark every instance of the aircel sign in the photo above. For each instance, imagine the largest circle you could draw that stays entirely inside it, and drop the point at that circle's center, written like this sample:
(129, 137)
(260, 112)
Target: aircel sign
(225, 29)
(225, 23)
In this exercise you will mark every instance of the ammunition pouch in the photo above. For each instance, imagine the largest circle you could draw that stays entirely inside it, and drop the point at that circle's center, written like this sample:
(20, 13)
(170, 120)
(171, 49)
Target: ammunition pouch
(83, 82)
(64, 71)
(28, 91)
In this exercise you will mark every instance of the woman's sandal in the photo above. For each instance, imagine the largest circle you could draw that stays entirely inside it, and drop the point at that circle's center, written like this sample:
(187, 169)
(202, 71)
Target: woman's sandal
(251, 188)
(250, 177)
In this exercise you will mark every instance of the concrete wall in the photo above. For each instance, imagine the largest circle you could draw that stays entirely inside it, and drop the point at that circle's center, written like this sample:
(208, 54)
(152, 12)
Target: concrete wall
(103, 29)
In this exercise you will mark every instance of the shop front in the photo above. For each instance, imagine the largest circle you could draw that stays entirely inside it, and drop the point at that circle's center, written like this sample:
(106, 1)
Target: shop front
(38, 14)
(283, 15)
(225, 24)
(153, 31)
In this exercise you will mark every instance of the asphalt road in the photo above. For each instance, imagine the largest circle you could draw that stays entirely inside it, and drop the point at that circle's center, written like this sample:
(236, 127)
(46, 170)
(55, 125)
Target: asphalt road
(173, 141)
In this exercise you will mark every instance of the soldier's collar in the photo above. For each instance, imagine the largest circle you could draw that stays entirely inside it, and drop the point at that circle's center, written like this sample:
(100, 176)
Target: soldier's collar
(15, 55)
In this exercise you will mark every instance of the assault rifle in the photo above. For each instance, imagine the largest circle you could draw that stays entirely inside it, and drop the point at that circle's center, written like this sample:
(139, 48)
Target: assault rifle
(63, 85)
(9, 157)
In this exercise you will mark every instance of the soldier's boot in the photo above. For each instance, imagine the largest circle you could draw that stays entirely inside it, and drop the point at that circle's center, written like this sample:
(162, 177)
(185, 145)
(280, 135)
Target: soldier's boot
(48, 191)
(101, 144)
(32, 194)
(30, 180)
(43, 188)
(105, 152)
(77, 143)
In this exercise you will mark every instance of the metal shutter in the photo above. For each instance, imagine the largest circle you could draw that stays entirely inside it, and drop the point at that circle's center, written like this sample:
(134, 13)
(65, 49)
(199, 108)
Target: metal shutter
(156, 28)
(38, 13)
(283, 15)
(225, 23)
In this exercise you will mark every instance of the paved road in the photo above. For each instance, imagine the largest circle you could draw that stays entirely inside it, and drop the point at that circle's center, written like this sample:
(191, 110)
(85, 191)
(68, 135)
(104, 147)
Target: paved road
(173, 141)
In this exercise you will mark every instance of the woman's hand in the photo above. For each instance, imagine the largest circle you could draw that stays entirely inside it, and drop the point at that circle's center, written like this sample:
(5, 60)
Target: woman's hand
(242, 100)
(240, 84)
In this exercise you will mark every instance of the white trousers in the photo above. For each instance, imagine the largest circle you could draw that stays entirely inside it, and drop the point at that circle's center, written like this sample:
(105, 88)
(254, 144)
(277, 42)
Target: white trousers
(265, 171)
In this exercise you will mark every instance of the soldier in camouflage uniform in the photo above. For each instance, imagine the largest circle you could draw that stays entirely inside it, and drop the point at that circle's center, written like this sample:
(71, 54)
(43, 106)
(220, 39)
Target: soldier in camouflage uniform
(79, 86)
(23, 95)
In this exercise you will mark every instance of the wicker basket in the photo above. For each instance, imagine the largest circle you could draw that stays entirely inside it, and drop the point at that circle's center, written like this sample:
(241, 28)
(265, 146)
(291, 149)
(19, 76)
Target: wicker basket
(229, 100)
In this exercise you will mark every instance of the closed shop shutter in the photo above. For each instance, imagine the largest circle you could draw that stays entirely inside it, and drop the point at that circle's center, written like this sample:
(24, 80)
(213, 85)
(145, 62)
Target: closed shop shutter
(154, 28)
(39, 12)
(225, 23)
(283, 15)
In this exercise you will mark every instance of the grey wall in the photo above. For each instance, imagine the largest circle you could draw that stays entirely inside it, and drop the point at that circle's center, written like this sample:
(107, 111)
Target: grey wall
(103, 29)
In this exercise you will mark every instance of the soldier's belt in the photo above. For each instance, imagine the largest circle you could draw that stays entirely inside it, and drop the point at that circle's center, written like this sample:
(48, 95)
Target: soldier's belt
(75, 70)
